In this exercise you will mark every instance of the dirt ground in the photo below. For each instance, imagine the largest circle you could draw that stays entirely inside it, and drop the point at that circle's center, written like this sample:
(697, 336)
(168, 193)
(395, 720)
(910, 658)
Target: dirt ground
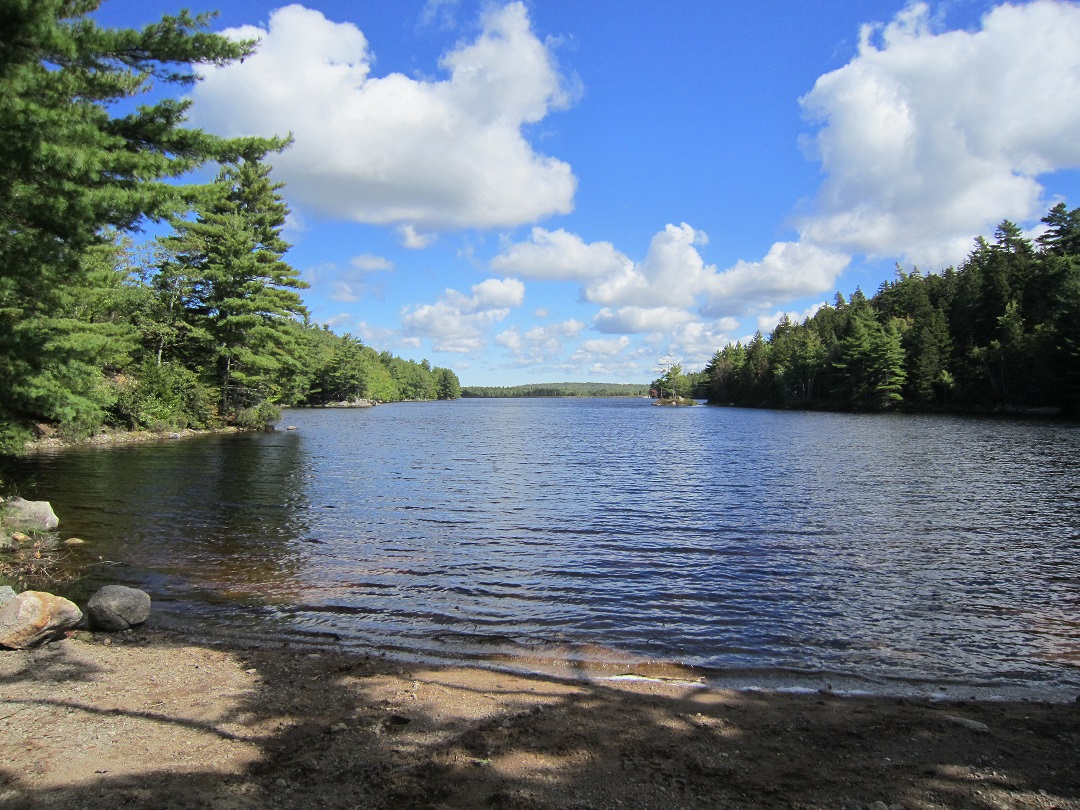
(148, 719)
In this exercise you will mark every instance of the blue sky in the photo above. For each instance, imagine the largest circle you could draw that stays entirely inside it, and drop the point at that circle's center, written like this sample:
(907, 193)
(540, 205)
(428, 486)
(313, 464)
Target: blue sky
(556, 190)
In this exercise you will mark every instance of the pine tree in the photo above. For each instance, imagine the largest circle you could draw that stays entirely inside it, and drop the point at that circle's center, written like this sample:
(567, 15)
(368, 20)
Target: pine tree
(73, 163)
(242, 292)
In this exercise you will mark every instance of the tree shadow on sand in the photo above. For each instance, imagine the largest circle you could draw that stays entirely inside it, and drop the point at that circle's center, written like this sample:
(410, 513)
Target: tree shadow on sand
(327, 729)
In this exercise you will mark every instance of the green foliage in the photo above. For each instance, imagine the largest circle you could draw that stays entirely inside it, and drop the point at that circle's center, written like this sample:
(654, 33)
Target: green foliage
(165, 397)
(1000, 332)
(239, 292)
(71, 168)
(258, 417)
(566, 389)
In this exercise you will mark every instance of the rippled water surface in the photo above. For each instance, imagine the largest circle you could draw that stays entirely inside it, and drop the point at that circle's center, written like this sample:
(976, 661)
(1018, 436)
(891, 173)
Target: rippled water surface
(893, 548)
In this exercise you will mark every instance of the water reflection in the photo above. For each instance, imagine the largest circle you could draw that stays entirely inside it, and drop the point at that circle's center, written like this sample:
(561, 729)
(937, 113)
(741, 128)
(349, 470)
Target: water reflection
(215, 519)
(878, 546)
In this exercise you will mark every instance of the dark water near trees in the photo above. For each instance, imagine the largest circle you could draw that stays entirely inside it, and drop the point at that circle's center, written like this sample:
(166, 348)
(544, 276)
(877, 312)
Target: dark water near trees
(894, 549)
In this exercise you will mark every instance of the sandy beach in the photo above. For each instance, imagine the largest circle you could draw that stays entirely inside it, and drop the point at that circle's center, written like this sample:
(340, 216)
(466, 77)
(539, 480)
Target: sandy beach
(150, 719)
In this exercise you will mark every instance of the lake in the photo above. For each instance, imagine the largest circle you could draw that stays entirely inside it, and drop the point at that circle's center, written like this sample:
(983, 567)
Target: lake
(889, 553)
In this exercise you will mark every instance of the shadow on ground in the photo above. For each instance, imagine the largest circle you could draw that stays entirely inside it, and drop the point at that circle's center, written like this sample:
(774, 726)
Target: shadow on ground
(292, 728)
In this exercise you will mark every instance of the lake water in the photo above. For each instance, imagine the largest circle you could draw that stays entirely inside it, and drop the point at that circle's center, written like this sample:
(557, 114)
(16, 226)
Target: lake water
(890, 553)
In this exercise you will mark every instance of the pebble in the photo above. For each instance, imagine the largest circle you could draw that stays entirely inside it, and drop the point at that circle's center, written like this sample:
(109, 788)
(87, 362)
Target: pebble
(74, 541)
(974, 725)
(338, 728)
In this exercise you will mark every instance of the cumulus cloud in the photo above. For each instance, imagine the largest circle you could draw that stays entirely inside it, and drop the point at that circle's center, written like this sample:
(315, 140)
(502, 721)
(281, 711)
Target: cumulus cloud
(560, 256)
(635, 320)
(929, 138)
(608, 347)
(459, 323)
(424, 154)
(370, 263)
(541, 344)
(789, 270)
(673, 273)
(413, 240)
(673, 282)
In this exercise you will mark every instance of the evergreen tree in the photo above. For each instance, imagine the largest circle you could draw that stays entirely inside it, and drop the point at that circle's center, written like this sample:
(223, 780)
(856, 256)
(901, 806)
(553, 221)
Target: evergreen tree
(72, 164)
(447, 385)
(242, 291)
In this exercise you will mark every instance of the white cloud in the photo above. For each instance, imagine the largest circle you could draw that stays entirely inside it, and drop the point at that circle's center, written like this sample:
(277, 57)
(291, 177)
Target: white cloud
(673, 279)
(930, 138)
(423, 154)
(541, 344)
(635, 320)
(790, 270)
(673, 273)
(345, 292)
(608, 347)
(439, 13)
(413, 240)
(341, 319)
(766, 323)
(369, 263)
(559, 255)
(695, 343)
(459, 323)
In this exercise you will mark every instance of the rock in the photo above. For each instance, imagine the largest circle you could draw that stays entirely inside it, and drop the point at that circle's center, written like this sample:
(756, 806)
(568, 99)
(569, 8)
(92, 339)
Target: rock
(118, 607)
(7, 593)
(19, 537)
(7, 543)
(30, 514)
(74, 541)
(33, 617)
(878, 806)
(974, 725)
(292, 427)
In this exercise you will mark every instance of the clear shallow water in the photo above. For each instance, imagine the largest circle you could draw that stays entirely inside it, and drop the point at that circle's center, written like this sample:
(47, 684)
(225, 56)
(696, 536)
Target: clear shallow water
(890, 549)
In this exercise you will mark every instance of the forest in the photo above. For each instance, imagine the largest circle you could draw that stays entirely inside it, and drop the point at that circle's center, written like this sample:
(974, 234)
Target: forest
(200, 327)
(999, 333)
(565, 389)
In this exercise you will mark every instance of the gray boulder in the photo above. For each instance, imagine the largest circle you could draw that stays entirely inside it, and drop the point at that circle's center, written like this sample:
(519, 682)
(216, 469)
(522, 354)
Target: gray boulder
(33, 617)
(7, 593)
(29, 515)
(118, 607)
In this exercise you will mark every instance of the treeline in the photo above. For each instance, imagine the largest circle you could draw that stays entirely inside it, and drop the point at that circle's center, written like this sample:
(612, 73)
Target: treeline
(568, 389)
(1000, 332)
(205, 326)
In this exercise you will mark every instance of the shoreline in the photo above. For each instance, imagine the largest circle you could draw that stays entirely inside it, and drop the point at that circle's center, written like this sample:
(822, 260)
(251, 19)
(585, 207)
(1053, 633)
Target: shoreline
(110, 438)
(149, 718)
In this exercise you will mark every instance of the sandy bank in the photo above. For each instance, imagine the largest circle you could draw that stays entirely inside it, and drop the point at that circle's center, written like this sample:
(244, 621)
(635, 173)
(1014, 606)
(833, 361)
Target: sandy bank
(146, 719)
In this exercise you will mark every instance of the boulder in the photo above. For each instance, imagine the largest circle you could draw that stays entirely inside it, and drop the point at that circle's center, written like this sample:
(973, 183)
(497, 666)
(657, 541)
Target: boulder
(118, 607)
(7, 593)
(33, 617)
(7, 543)
(30, 515)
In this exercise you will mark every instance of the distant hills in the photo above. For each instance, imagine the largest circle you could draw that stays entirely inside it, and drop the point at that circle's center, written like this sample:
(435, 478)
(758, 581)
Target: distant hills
(564, 389)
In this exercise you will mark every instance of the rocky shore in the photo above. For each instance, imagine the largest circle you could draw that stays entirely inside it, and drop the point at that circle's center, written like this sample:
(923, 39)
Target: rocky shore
(48, 439)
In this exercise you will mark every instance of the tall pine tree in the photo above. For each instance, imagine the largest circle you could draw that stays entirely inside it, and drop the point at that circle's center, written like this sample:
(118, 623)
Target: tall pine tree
(73, 162)
(242, 293)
